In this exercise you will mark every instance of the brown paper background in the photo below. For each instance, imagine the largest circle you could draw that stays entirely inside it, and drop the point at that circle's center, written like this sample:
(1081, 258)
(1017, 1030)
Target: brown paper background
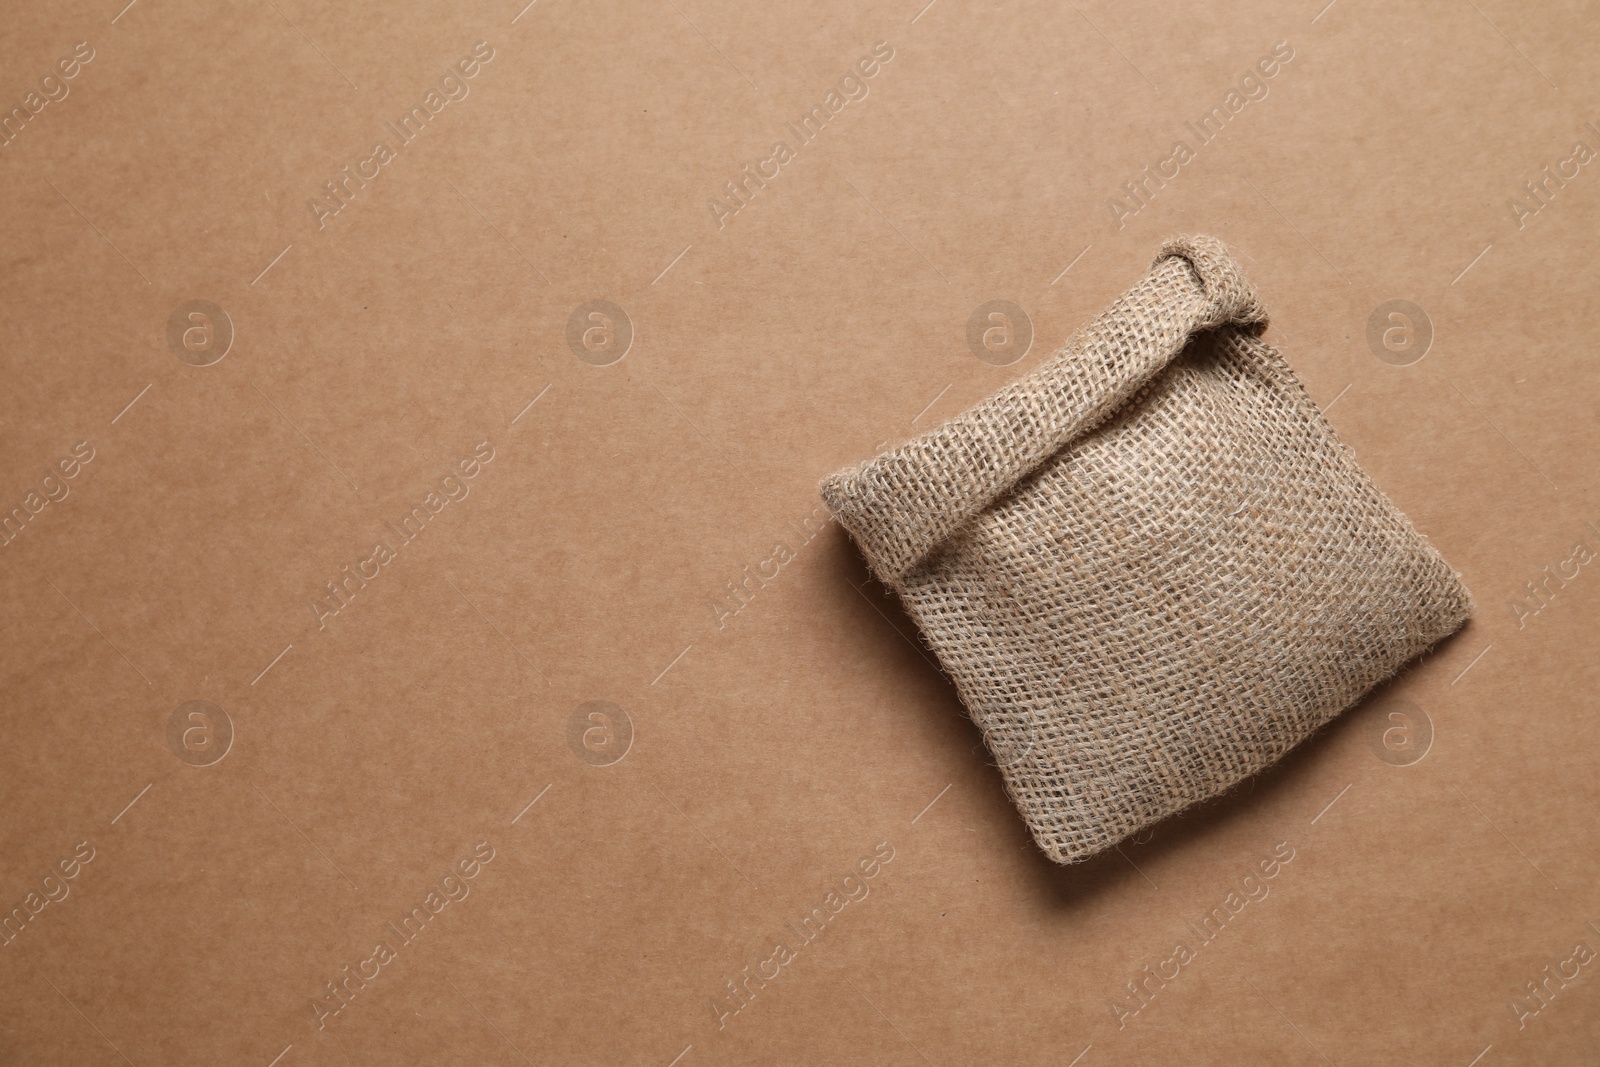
(774, 748)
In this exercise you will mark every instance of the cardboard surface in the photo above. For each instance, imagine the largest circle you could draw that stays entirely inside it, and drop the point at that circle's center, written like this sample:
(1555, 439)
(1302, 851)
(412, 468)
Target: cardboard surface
(410, 388)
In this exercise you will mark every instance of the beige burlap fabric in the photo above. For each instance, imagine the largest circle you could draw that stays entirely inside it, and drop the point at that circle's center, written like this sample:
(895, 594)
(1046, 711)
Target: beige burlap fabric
(1149, 565)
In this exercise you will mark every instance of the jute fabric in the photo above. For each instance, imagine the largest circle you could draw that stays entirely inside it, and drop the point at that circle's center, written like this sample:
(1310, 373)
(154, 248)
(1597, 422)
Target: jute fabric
(1149, 565)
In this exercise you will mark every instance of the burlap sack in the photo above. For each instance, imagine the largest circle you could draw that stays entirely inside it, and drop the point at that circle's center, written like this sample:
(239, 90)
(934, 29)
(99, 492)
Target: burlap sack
(1149, 565)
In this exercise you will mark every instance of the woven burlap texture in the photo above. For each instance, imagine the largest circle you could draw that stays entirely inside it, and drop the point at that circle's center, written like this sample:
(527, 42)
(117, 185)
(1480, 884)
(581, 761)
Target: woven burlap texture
(1149, 565)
